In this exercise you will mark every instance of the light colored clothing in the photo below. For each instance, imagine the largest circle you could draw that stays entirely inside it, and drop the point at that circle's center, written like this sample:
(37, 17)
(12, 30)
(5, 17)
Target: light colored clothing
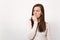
(39, 35)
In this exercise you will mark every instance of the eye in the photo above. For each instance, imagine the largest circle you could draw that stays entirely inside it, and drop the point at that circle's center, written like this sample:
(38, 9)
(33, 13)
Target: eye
(37, 10)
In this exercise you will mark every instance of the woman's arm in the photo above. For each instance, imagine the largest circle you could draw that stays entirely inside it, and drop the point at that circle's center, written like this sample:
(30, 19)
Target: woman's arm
(31, 31)
(48, 32)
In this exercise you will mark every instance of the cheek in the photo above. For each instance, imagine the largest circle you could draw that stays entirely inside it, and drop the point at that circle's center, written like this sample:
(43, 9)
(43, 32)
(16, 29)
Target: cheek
(38, 13)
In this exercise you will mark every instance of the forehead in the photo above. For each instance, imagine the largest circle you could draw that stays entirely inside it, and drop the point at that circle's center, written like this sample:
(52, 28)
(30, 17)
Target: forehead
(37, 8)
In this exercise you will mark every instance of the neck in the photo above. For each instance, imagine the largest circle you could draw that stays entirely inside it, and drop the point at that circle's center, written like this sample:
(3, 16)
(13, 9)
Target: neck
(38, 20)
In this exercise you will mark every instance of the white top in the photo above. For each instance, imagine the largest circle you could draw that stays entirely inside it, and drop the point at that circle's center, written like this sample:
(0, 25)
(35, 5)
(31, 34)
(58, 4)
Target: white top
(39, 35)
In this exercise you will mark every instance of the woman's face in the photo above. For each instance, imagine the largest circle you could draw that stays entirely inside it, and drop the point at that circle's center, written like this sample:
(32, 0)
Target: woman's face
(37, 11)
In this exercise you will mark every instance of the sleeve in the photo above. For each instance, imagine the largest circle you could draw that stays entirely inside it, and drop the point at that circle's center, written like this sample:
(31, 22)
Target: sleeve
(30, 30)
(48, 33)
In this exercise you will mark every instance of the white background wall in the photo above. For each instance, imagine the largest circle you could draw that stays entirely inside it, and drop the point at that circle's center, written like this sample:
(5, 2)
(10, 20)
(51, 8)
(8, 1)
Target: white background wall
(14, 13)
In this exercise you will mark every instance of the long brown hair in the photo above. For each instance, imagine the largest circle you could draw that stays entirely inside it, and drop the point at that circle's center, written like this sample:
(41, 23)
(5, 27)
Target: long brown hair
(41, 24)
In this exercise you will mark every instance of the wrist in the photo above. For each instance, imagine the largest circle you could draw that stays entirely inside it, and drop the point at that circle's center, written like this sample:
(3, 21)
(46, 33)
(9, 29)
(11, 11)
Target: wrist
(36, 22)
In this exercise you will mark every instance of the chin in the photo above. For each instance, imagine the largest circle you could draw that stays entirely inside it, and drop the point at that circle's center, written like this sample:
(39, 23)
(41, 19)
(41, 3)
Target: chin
(37, 17)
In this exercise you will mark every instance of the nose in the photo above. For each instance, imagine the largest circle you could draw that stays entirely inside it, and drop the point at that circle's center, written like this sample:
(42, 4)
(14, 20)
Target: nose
(35, 12)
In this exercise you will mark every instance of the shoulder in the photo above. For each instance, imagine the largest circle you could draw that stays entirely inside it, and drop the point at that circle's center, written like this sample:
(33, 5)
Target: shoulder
(28, 24)
(47, 25)
(28, 21)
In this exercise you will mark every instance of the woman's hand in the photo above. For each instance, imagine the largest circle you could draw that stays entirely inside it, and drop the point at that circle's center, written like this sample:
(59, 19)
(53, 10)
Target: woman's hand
(34, 18)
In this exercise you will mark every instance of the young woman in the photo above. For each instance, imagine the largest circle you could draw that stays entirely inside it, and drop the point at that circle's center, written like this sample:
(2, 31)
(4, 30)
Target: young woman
(37, 28)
